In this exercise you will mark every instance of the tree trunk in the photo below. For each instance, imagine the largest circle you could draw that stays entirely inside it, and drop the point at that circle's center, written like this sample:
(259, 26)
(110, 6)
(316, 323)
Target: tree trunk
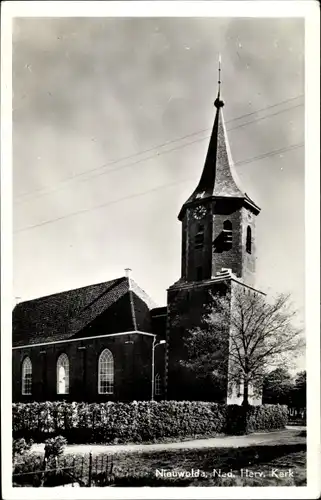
(245, 402)
(246, 386)
(246, 382)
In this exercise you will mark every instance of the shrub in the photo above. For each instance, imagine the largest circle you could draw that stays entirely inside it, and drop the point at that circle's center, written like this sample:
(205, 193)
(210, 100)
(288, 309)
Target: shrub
(255, 418)
(36, 471)
(54, 446)
(20, 447)
(118, 422)
(235, 420)
(266, 417)
(28, 472)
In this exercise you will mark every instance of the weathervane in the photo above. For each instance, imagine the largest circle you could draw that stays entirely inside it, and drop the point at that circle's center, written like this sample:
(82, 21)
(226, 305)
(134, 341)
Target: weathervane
(218, 102)
(219, 75)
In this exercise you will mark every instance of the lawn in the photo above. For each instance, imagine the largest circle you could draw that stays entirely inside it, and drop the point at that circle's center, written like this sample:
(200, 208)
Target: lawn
(260, 465)
(214, 467)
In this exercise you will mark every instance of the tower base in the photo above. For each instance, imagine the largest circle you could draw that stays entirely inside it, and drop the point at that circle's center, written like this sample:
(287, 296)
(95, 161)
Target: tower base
(188, 303)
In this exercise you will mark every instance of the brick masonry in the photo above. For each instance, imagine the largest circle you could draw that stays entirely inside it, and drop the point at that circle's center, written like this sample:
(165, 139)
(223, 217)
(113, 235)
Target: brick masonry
(210, 256)
(189, 298)
(132, 368)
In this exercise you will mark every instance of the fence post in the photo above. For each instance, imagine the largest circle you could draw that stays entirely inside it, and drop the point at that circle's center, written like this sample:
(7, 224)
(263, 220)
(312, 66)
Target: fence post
(44, 472)
(90, 468)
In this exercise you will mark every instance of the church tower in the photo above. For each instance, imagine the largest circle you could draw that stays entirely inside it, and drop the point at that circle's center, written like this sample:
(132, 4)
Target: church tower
(218, 251)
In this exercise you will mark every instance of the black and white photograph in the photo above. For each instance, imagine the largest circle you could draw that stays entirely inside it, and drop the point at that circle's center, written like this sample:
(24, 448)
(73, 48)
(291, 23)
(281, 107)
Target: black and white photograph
(160, 330)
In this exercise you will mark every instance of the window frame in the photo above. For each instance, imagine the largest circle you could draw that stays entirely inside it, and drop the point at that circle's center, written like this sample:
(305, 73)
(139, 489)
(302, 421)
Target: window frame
(158, 385)
(26, 371)
(62, 362)
(110, 372)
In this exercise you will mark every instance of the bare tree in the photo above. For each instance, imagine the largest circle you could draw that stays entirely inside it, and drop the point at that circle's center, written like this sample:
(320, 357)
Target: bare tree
(253, 333)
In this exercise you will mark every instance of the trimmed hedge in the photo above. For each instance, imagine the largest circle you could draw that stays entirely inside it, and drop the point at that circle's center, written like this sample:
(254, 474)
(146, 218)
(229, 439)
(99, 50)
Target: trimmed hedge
(255, 418)
(140, 421)
(265, 417)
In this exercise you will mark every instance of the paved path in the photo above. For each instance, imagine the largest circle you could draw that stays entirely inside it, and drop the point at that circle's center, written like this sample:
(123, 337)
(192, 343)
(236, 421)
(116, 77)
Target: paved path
(286, 436)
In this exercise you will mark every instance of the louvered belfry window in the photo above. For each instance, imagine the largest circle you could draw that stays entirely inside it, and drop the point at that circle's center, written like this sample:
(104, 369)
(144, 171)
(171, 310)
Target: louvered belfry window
(199, 237)
(248, 240)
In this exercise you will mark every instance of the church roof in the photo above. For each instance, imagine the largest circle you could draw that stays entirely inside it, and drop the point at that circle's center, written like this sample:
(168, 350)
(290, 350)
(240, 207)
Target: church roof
(115, 306)
(219, 178)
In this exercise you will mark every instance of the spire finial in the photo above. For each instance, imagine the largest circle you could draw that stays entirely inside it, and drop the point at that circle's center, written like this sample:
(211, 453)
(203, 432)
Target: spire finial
(219, 75)
(218, 102)
(128, 272)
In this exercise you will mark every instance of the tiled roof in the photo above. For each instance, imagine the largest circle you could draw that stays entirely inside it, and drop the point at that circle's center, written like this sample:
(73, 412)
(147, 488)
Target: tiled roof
(219, 178)
(109, 307)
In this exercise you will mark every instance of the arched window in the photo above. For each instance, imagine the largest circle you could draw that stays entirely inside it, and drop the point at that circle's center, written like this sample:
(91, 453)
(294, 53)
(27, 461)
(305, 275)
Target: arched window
(26, 377)
(63, 374)
(158, 385)
(248, 240)
(106, 373)
(227, 225)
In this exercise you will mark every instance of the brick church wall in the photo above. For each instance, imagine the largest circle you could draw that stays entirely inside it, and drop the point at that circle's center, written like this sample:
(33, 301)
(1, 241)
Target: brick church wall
(132, 368)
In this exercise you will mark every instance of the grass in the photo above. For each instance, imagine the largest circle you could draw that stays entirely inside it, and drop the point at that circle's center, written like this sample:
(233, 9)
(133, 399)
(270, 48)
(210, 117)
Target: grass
(195, 467)
(191, 466)
(133, 470)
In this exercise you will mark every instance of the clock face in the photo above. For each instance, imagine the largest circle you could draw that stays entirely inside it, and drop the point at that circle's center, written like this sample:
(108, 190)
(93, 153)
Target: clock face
(199, 212)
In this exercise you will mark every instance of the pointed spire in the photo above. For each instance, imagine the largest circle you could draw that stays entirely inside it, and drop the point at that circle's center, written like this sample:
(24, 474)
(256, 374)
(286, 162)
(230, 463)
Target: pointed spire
(218, 178)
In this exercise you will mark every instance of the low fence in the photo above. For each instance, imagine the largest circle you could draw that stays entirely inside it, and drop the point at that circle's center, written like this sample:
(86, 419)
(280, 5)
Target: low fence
(66, 470)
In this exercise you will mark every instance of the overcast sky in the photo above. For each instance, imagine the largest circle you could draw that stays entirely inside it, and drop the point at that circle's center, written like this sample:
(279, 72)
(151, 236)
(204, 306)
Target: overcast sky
(88, 92)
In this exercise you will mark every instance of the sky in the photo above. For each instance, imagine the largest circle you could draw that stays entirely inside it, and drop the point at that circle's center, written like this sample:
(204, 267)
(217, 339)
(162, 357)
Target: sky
(111, 118)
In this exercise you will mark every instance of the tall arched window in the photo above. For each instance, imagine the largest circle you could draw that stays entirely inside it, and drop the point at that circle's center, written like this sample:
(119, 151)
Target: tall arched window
(63, 374)
(26, 377)
(248, 240)
(227, 225)
(158, 385)
(106, 373)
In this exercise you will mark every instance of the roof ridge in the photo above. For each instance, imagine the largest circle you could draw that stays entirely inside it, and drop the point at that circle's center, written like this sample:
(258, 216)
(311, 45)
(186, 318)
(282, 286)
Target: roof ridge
(121, 278)
(131, 302)
(143, 295)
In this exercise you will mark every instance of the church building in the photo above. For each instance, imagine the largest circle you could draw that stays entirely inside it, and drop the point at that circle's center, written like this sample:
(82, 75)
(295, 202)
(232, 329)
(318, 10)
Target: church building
(109, 341)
